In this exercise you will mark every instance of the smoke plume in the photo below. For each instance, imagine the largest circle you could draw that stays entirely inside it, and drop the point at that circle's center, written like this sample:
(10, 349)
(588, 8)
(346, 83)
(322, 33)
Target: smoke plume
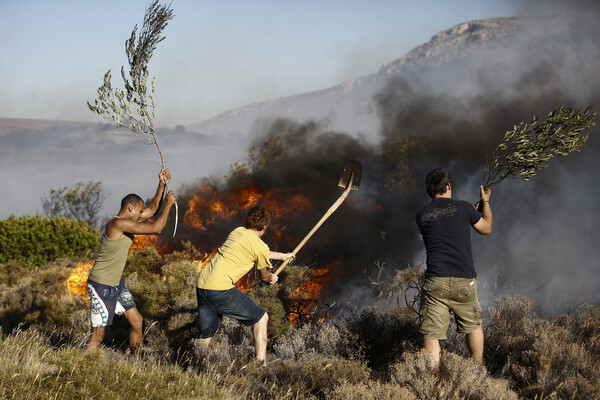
(451, 116)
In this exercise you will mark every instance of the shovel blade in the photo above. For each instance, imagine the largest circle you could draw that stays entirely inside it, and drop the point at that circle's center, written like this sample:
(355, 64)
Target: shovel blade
(351, 175)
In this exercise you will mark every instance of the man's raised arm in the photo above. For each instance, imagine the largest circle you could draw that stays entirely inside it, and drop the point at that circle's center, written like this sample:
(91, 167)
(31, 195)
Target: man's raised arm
(147, 227)
(163, 179)
(484, 225)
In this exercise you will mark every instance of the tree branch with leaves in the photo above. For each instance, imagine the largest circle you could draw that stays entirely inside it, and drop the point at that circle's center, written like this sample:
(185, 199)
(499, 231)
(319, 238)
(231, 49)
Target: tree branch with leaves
(133, 108)
(527, 147)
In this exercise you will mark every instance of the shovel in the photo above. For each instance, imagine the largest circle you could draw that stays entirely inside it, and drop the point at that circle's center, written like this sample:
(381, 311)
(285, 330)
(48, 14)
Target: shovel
(350, 180)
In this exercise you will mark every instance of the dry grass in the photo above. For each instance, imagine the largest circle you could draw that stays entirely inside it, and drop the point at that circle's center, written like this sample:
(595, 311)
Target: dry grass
(33, 369)
(368, 355)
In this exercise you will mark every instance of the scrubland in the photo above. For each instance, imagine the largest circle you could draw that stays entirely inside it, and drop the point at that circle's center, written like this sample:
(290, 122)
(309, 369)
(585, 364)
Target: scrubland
(368, 354)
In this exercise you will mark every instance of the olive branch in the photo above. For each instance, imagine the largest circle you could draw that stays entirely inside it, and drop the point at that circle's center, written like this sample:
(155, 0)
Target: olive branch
(133, 108)
(528, 147)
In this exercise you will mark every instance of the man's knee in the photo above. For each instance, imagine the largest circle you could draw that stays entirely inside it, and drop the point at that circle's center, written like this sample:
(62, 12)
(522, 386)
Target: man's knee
(262, 322)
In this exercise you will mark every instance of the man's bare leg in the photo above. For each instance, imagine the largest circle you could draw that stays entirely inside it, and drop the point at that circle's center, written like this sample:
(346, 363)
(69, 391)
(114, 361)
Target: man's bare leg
(96, 338)
(259, 330)
(475, 345)
(205, 342)
(136, 331)
(433, 346)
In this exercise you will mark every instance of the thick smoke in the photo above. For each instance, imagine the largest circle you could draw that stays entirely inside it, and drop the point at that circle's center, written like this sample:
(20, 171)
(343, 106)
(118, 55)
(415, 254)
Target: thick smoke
(542, 246)
(453, 116)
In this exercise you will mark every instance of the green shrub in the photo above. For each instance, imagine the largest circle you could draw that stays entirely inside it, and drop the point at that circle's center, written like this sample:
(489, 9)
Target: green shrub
(159, 289)
(269, 298)
(36, 240)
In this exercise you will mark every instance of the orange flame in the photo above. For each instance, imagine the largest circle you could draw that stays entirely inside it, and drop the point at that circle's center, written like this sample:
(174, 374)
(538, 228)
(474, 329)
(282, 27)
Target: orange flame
(142, 241)
(207, 207)
(310, 291)
(208, 204)
(77, 282)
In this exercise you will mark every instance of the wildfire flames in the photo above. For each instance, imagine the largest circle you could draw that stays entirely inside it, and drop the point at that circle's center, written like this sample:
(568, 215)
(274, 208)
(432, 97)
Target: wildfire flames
(77, 282)
(311, 291)
(211, 210)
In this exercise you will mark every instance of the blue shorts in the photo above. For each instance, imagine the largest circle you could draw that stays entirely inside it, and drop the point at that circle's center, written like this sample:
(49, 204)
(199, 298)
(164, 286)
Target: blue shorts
(214, 304)
(106, 301)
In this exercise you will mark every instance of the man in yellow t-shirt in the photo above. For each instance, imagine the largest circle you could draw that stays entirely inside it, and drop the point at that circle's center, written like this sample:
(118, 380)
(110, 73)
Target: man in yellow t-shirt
(215, 288)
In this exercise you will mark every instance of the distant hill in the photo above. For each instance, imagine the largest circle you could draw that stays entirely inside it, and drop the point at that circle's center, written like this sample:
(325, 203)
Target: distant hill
(349, 106)
(39, 155)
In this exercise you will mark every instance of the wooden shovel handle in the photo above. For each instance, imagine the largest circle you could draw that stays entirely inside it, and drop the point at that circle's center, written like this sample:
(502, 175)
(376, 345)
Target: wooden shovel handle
(334, 207)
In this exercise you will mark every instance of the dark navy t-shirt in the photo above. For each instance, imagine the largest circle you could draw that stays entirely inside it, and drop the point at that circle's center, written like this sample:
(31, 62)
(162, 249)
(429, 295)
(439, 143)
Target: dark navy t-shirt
(445, 225)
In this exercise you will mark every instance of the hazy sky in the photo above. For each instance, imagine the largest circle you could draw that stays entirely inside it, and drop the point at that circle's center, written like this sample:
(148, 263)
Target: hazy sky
(218, 55)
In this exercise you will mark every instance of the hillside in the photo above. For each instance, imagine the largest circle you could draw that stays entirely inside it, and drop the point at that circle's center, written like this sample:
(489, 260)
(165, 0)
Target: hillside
(350, 106)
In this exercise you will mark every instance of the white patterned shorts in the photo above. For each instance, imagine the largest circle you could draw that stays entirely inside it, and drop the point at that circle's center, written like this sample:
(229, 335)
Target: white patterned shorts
(106, 301)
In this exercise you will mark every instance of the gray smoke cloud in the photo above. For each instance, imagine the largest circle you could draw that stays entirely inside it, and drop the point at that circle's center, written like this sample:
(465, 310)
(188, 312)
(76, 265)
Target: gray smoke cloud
(542, 245)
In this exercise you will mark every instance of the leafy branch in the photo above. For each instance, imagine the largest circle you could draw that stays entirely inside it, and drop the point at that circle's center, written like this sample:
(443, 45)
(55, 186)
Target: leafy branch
(528, 147)
(133, 108)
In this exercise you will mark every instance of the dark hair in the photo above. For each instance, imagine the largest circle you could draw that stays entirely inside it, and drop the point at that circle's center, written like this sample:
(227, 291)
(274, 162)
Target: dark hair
(436, 182)
(258, 218)
(132, 199)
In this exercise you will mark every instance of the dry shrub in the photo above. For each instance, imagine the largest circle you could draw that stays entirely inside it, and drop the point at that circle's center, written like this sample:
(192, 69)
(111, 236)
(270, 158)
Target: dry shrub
(11, 272)
(232, 345)
(310, 340)
(544, 359)
(584, 326)
(371, 390)
(311, 377)
(382, 337)
(455, 378)
(41, 299)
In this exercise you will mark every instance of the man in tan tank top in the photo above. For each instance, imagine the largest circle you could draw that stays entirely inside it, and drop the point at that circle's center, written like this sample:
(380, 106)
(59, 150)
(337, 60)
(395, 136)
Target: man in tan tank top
(107, 290)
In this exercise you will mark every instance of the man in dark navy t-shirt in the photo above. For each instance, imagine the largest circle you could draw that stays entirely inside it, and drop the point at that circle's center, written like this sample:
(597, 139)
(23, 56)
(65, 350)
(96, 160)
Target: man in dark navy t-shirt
(450, 278)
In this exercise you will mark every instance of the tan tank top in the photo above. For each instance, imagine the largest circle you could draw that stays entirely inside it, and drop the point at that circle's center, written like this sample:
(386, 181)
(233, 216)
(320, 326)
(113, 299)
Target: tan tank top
(111, 259)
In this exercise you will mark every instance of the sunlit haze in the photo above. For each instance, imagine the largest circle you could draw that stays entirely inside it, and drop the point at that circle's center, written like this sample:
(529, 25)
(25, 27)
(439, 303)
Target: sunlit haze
(218, 55)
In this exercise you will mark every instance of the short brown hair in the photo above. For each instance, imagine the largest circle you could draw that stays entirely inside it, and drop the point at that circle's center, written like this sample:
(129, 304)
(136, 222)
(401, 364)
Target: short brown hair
(436, 182)
(258, 218)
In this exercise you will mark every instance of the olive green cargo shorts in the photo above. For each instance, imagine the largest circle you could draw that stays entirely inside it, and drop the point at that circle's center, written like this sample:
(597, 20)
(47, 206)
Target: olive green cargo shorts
(439, 296)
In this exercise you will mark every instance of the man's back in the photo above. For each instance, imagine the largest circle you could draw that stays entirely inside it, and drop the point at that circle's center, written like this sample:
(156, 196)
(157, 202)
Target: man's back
(241, 251)
(445, 225)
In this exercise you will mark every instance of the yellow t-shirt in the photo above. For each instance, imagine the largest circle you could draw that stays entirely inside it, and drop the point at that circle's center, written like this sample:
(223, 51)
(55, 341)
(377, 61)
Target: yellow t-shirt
(240, 252)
